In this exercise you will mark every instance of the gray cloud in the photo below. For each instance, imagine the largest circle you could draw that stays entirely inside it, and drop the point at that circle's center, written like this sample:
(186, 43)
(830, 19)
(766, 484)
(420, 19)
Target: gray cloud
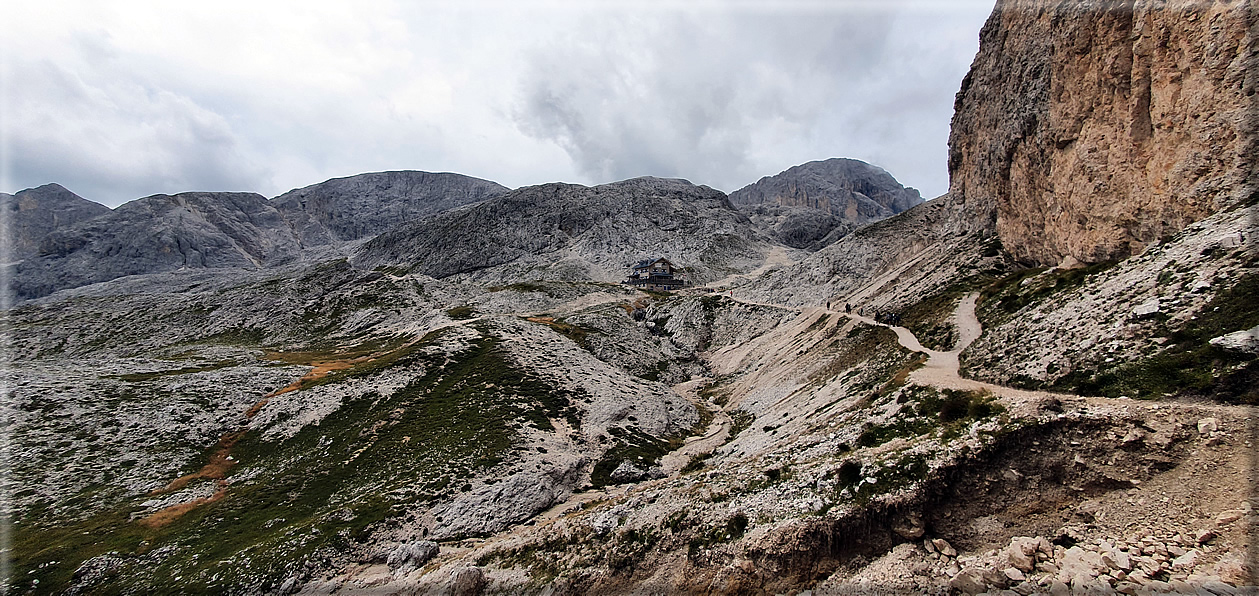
(123, 99)
(689, 94)
(112, 137)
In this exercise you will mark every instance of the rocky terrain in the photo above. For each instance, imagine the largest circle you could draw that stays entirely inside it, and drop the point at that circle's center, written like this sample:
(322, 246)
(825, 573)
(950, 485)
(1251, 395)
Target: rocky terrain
(77, 242)
(816, 203)
(363, 206)
(1140, 114)
(34, 213)
(573, 232)
(466, 402)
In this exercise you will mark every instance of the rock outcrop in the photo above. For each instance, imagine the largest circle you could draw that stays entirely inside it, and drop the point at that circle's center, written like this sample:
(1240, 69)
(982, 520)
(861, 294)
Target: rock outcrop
(362, 206)
(574, 232)
(816, 203)
(217, 229)
(36, 212)
(159, 233)
(1092, 129)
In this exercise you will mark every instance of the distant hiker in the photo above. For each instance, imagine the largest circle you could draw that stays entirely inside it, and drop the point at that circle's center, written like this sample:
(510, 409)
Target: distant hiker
(847, 308)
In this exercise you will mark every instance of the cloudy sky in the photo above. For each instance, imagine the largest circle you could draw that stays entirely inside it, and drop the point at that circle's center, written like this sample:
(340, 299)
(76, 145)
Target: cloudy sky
(118, 100)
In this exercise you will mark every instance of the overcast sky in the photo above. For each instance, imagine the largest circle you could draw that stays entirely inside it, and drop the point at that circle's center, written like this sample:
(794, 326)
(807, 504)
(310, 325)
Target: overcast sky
(119, 100)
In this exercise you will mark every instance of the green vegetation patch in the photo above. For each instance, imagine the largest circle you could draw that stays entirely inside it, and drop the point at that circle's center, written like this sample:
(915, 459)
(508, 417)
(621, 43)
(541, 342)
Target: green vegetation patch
(927, 410)
(523, 288)
(576, 332)
(1014, 292)
(734, 528)
(629, 445)
(236, 336)
(463, 312)
(326, 487)
(740, 420)
(1189, 364)
(866, 341)
(696, 463)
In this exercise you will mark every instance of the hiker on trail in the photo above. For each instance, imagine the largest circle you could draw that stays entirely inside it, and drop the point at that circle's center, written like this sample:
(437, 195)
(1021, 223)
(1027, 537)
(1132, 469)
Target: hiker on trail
(847, 308)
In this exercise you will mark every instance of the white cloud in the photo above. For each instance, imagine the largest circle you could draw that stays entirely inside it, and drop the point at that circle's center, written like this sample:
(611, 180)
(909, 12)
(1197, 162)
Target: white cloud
(122, 99)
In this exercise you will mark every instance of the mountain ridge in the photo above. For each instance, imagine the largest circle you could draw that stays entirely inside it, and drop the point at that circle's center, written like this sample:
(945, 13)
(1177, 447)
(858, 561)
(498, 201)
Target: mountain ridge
(470, 404)
(811, 205)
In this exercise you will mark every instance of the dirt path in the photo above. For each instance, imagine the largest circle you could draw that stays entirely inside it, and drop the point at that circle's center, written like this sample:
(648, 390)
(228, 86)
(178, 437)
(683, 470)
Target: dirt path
(221, 460)
(942, 368)
(718, 429)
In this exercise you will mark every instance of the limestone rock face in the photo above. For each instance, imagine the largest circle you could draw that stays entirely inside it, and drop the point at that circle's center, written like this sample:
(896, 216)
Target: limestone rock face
(853, 190)
(1092, 129)
(36, 212)
(159, 233)
(574, 232)
(368, 204)
(813, 204)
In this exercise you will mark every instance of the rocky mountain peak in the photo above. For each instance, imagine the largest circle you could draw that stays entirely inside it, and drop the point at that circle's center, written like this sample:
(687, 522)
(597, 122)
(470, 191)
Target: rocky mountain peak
(35, 212)
(813, 204)
(570, 231)
(848, 188)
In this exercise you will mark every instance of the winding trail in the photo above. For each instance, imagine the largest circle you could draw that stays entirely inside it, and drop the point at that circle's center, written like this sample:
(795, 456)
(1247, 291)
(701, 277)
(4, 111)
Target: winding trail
(940, 370)
(718, 429)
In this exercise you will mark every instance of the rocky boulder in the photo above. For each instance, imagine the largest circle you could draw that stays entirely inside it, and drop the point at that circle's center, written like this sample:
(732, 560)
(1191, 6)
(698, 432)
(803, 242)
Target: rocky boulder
(412, 555)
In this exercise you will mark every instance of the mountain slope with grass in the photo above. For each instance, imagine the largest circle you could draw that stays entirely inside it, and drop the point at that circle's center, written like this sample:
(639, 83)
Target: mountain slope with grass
(469, 403)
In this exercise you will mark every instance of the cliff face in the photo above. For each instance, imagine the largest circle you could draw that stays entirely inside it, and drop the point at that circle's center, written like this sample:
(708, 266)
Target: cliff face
(1092, 129)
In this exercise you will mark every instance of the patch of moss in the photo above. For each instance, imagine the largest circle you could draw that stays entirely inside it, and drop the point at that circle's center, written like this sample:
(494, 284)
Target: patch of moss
(927, 410)
(630, 445)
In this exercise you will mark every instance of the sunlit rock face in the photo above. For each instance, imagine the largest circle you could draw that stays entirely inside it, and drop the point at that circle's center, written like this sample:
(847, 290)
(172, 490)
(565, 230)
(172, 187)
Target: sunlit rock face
(1092, 129)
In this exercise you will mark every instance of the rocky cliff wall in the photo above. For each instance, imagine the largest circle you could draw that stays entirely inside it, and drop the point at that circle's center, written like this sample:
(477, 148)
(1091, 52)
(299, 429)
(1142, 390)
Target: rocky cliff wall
(1091, 129)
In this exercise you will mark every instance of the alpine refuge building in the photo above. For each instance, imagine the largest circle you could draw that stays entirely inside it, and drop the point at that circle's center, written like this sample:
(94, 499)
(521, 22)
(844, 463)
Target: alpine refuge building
(659, 275)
